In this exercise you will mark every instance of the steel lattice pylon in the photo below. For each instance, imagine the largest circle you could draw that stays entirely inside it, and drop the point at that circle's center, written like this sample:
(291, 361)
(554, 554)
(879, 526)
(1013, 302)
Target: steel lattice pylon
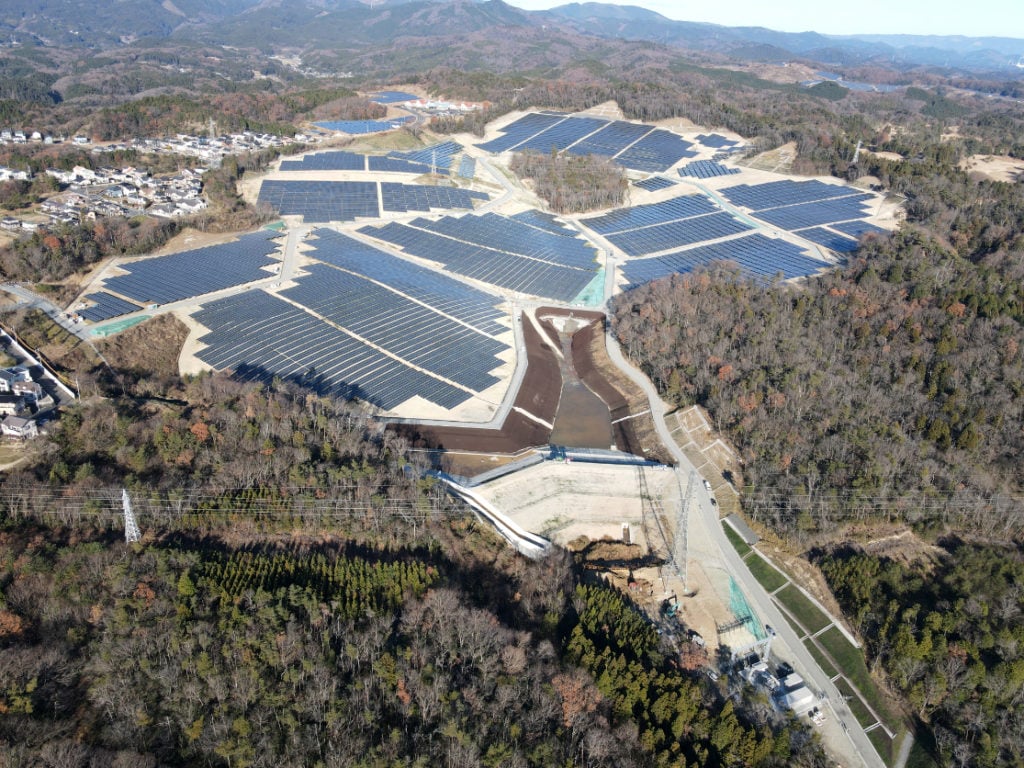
(131, 528)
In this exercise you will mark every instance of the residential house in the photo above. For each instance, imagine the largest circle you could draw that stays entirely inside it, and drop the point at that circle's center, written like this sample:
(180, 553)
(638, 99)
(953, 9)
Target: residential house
(12, 405)
(18, 426)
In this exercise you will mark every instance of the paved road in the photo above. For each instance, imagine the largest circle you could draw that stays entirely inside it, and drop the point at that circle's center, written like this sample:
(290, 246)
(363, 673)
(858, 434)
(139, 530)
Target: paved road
(756, 595)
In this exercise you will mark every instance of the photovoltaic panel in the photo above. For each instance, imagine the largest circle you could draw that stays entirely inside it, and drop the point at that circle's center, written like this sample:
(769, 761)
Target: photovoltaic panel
(392, 97)
(562, 134)
(759, 197)
(622, 219)
(519, 131)
(858, 228)
(759, 256)
(658, 151)
(327, 161)
(542, 220)
(446, 294)
(418, 335)
(364, 126)
(829, 239)
(611, 139)
(321, 201)
(417, 197)
(706, 169)
(259, 336)
(812, 214)
(106, 306)
(467, 167)
(674, 234)
(164, 279)
(654, 184)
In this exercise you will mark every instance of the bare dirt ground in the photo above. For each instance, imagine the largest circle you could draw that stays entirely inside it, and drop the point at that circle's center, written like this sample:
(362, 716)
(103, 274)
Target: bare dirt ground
(778, 160)
(995, 167)
(190, 239)
(151, 347)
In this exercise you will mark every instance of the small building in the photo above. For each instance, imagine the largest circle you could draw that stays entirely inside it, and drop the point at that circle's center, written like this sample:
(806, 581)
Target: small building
(30, 390)
(10, 376)
(11, 405)
(18, 426)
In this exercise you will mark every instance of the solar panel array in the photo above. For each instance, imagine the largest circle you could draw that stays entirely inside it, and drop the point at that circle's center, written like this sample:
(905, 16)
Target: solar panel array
(706, 169)
(164, 279)
(550, 266)
(716, 141)
(542, 220)
(796, 205)
(364, 126)
(757, 255)
(446, 294)
(639, 147)
(829, 239)
(417, 334)
(321, 201)
(439, 155)
(673, 234)
(259, 336)
(392, 97)
(858, 228)
(327, 161)
(654, 183)
(105, 307)
(401, 198)
(622, 219)
(467, 167)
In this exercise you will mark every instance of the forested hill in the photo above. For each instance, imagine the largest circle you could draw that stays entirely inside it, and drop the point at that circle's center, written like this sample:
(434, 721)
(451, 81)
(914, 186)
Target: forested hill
(891, 388)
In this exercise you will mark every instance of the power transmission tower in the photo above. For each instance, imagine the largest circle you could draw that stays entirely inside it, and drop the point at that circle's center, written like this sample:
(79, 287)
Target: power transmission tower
(131, 528)
(682, 525)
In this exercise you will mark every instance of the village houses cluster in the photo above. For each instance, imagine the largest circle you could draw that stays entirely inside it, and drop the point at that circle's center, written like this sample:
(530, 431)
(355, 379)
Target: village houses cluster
(91, 194)
(21, 399)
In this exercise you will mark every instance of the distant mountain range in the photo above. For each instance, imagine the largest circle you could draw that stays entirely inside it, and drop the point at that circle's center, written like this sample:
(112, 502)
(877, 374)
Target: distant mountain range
(277, 25)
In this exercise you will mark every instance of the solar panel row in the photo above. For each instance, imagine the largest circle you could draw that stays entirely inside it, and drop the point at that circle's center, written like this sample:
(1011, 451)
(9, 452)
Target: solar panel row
(673, 234)
(622, 219)
(438, 155)
(403, 328)
(327, 161)
(829, 239)
(706, 169)
(542, 220)
(392, 97)
(360, 127)
(467, 167)
(388, 164)
(858, 228)
(812, 214)
(505, 270)
(639, 147)
(164, 279)
(507, 234)
(758, 197)
(260, 336)
(654, 183)
(412, 197)
(715, 141)
(757, 255)
(321, 201)
(450, 296)
(106, 306)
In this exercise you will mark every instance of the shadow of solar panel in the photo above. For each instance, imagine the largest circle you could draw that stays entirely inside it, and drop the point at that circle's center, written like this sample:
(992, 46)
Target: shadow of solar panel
(657, 151)
(838, 243)
(812, 214)
(164, 279)
(450, 296)
(105, 307)
(675, 208)
(611, 139)
(758, 256)
(522, 129)
(673, 234)
(654, 184)
(858, 228)
(327, 161)
(259, 336)
(706, 169)
(759, 197)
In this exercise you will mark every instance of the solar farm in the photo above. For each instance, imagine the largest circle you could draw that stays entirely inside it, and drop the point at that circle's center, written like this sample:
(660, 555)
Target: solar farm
(400, 293)
(632, 145)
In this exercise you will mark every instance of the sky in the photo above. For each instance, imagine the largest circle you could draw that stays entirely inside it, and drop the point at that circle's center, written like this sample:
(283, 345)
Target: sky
(978, 18)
